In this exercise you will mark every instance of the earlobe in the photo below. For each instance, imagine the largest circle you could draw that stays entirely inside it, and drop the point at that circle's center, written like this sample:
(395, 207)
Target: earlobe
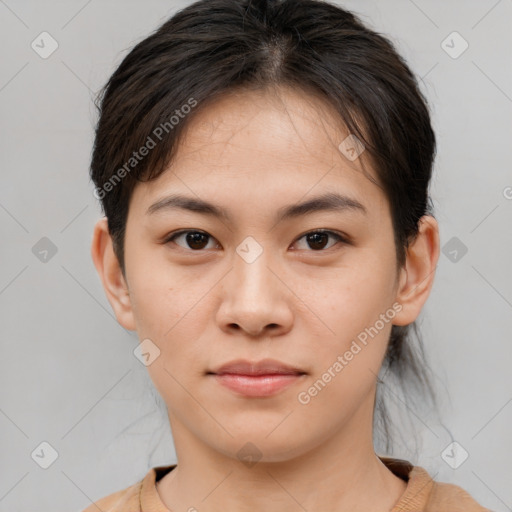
(417, 275)
(109, 270)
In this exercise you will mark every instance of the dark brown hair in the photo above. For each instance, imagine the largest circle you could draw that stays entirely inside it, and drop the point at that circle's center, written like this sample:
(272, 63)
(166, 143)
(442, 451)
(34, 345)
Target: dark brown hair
(213, 47)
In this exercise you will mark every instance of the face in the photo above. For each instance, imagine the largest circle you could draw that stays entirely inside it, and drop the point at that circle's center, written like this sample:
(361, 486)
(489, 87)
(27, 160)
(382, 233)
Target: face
(314, 288)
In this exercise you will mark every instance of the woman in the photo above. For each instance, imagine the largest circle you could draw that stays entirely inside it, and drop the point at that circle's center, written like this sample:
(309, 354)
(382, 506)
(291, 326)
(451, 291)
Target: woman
(264, 169)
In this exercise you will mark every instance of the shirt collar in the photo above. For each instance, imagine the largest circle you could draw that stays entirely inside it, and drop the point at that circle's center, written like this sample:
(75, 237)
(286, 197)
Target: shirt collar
(415, 496)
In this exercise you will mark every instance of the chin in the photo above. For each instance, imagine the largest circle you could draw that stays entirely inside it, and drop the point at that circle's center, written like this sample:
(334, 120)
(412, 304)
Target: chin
(258, 446)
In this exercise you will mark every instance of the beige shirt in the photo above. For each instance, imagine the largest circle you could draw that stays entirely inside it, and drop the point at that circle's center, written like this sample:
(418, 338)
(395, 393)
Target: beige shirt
(421, 495)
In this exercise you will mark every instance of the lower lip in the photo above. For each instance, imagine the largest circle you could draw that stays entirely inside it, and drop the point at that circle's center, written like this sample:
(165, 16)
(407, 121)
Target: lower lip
(257, 385)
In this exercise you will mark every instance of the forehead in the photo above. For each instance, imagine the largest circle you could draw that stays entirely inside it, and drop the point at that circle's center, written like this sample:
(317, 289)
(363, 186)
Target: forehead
(259, 146)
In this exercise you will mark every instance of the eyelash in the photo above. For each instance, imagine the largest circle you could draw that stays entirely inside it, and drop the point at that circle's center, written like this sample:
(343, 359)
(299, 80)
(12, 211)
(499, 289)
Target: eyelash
(336, 235)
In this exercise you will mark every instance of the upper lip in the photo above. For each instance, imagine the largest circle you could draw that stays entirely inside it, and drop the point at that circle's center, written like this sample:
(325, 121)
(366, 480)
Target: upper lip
(263, 367)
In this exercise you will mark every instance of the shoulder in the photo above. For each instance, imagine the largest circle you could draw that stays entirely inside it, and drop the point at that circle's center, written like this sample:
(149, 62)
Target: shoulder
(452, 498)
(125, 500)
(425, 494)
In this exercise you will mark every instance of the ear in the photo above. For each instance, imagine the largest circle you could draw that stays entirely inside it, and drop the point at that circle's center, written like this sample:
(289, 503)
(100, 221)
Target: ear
(111, 276)
(417, 275)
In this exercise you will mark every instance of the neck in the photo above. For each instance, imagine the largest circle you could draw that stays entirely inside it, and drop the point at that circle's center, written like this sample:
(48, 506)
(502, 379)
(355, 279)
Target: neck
(343, 474)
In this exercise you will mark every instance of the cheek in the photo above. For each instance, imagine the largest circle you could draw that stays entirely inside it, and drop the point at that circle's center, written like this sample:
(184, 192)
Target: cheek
(355, 316)
(161, 299)
(352, 299)
(168, 316)
(346, 364)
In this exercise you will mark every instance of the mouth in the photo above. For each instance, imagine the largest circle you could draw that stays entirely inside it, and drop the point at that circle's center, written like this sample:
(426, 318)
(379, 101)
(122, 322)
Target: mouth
(259, 379)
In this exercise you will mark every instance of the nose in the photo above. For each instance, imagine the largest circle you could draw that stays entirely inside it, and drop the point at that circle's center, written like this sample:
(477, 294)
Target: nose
(255, 298)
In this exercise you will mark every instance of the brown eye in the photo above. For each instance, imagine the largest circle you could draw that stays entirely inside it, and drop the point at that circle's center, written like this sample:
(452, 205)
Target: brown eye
(195, 240)
(317, 240)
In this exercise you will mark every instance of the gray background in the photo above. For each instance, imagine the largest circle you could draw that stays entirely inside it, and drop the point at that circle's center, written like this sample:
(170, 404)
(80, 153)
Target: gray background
(68, 373)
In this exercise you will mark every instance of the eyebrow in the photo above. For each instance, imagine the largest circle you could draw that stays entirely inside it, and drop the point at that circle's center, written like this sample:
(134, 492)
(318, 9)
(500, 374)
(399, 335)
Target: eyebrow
(327, 202)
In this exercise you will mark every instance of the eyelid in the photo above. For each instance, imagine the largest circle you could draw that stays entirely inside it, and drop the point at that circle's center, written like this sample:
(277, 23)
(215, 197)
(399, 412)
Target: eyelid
(340, 236)
(171, 236)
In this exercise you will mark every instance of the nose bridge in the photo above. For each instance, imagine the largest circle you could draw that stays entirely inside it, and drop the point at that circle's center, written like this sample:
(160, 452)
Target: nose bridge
(251, 268)
(253, 297)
